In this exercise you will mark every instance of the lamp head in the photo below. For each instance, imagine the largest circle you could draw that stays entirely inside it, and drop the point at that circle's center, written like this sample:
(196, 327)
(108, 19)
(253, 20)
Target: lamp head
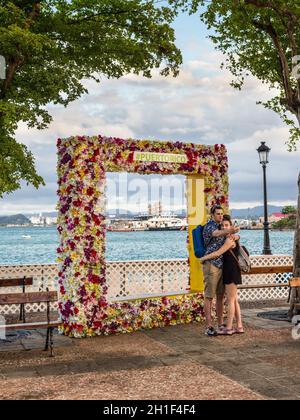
(264, 152)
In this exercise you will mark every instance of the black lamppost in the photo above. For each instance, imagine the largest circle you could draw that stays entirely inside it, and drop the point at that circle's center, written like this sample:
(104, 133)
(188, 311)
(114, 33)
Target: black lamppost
(263, 152)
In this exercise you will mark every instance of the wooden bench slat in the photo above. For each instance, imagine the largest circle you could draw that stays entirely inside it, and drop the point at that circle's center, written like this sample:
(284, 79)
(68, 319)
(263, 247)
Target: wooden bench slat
(295, 282)
(16, 282)
(263, 286)
(272, 270)
(19, 298)
(31, 326)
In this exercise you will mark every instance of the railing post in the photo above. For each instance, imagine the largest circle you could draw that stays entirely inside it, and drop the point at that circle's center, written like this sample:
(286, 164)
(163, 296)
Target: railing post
(162, 278)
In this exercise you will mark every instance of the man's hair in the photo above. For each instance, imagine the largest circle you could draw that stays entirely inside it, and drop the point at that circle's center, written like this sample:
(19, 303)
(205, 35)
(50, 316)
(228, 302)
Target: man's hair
(215, 208)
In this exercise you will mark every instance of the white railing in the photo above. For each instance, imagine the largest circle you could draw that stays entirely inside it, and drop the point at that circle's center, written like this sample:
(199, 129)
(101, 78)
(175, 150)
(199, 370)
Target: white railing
(137, 279)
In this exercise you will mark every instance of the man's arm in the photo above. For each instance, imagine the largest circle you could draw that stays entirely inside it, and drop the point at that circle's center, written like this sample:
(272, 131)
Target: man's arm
(229, 244)
(219, 233)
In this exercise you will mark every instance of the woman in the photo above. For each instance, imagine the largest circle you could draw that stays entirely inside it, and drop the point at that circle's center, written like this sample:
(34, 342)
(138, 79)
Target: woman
(232, 277)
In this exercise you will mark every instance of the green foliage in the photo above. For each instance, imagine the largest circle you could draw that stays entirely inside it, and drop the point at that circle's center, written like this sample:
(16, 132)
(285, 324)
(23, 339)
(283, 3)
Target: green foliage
(16, 163)
(51, 46)
(258, 37)
(288, 223)
(289, 210)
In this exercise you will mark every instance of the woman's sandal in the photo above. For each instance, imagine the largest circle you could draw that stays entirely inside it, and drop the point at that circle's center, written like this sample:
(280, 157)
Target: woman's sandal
(226, 331)
(239, 331)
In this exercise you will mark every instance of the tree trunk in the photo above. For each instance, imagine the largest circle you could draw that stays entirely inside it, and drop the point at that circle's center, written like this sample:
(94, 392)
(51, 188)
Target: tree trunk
(295, 292)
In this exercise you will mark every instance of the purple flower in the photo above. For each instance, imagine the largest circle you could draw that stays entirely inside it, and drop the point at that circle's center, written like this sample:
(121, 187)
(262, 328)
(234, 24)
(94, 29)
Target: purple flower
(66, 158)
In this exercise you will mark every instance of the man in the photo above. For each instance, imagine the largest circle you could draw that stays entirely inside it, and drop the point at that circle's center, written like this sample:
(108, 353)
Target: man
(214, 239)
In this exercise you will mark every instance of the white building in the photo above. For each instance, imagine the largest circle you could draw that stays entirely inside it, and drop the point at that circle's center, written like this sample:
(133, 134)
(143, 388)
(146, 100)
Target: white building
(41, 220)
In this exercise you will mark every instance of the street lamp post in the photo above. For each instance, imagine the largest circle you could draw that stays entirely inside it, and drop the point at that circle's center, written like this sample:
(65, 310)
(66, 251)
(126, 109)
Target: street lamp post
(263, 152)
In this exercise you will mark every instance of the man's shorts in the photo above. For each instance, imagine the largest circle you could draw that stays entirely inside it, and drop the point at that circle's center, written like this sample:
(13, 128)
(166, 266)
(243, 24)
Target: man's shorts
(213, 280)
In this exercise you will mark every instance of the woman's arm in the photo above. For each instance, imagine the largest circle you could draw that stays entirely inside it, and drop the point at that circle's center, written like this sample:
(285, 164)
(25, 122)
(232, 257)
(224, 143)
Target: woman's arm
(229, 244)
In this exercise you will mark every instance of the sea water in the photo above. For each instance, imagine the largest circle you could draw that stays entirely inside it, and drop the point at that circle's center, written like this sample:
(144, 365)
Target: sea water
(34, 245)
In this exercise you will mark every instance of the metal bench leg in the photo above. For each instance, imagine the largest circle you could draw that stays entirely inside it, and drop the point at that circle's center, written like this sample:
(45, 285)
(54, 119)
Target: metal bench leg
(51, 342)
(47, 340)
(22, 313)
(22, 309)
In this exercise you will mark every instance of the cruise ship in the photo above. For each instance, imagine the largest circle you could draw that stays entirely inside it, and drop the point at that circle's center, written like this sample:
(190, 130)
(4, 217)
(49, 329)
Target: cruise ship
(160, 223)
(155, 220)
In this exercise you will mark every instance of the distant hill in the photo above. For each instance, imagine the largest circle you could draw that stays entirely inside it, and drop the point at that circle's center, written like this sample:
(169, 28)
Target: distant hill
(253, 213)
(17, 219)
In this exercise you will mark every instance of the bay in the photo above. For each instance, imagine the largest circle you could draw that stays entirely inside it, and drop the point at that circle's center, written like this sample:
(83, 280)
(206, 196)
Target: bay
(41, 244)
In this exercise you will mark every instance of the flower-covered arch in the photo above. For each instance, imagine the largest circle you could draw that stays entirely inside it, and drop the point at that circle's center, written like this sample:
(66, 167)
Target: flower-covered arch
(82, 166)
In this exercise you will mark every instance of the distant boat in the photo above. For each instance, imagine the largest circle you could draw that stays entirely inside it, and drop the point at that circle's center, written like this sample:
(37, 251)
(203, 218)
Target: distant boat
(26, 236)
(120, 229)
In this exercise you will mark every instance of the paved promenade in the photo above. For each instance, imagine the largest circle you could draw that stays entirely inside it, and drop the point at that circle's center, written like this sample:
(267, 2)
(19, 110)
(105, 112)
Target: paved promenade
(171, 363)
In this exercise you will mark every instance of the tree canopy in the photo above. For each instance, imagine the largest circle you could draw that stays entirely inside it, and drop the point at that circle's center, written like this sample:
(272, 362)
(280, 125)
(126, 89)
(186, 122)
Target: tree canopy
(51, 46)
(290, 210)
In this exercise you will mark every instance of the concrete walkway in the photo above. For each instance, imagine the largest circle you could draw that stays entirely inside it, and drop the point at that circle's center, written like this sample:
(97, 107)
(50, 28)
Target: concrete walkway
(251, 317)
(172, 363)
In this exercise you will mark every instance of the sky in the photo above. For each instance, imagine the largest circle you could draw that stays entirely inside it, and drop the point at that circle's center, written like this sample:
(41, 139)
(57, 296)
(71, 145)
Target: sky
(198, 106)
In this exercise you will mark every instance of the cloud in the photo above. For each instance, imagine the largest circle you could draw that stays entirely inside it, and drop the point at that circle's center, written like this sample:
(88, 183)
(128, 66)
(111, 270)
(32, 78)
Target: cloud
(198, 106)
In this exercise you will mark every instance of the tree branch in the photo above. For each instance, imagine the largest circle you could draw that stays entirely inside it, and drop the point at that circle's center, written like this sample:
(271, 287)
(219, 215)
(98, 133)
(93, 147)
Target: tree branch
(112, 13)
(11, 70)
(285, 71)
(259, 3)
(289, 21)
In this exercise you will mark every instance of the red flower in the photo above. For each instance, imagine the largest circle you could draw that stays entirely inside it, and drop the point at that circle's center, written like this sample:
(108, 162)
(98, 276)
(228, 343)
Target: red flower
(72, 246)
(165, 301)
(77, 203)
(93, 278)
(90, 191)
(96, 220)
(207, 190)
(130, 157)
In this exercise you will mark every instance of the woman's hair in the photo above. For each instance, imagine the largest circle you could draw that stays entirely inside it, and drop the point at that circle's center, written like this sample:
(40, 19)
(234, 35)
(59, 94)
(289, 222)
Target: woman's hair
(227, 218)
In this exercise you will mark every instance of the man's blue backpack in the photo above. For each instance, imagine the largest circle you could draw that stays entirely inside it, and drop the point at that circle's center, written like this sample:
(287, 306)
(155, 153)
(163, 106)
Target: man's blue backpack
(198, 239)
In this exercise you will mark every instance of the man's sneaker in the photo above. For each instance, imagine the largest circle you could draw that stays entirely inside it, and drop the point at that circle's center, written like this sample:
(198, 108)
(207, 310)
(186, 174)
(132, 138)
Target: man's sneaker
(211, 332)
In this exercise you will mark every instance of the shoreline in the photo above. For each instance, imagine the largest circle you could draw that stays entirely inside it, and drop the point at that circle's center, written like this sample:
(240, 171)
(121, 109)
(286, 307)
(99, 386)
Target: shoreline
(169, 230)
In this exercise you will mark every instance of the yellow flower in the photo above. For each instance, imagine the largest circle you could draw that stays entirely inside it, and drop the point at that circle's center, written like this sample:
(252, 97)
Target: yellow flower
(75, 212)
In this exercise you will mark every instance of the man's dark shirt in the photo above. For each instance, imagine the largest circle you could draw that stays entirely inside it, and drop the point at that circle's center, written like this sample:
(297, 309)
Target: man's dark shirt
(213, 244)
